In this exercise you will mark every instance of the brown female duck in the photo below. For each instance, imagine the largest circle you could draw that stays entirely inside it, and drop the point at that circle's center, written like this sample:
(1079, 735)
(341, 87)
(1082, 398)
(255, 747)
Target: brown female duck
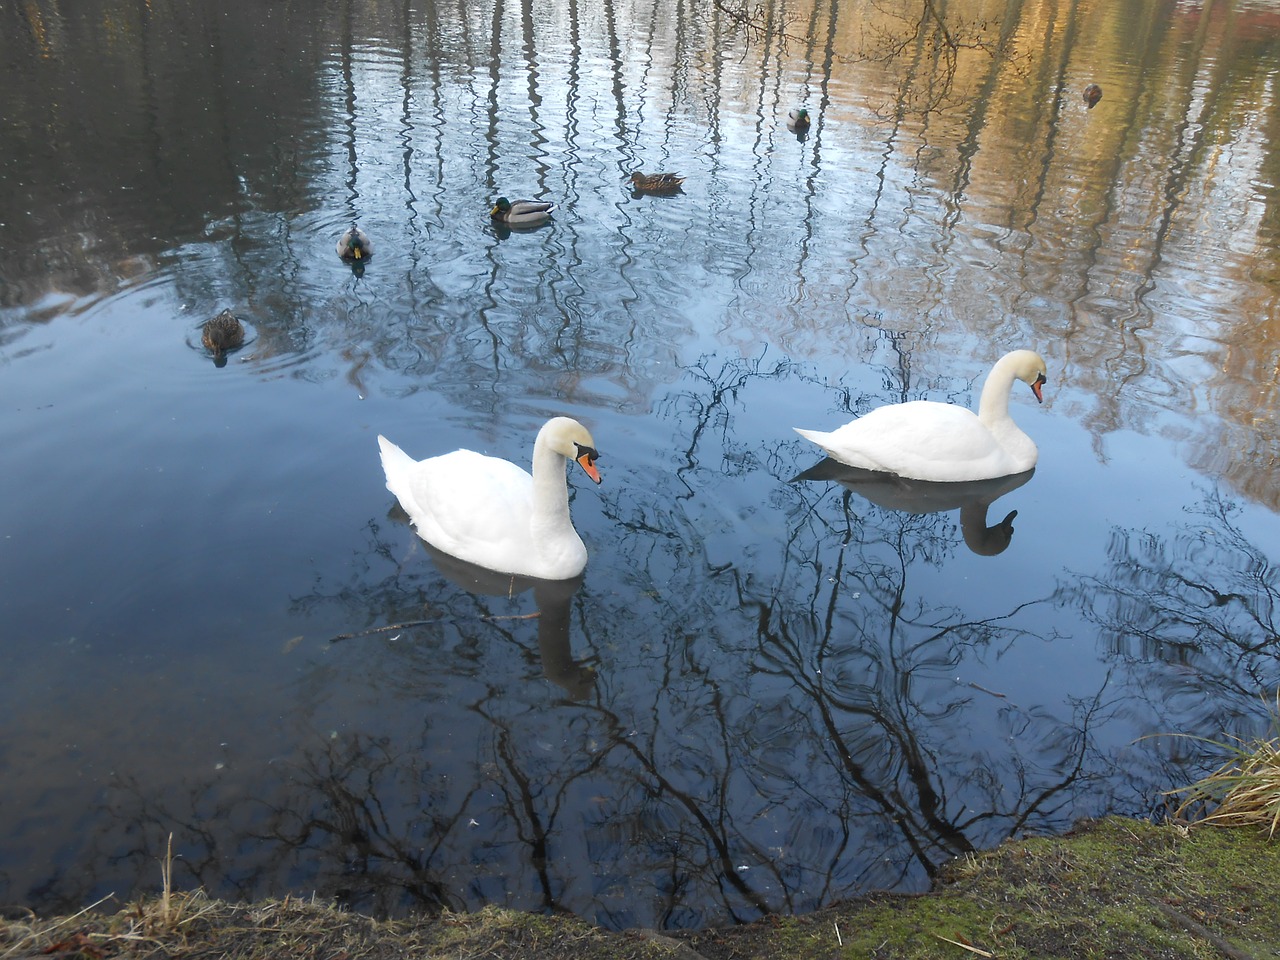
(220, 334)
(656, 182)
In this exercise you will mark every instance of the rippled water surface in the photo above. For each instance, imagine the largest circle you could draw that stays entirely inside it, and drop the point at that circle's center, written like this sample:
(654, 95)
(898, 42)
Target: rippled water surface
(765, 693)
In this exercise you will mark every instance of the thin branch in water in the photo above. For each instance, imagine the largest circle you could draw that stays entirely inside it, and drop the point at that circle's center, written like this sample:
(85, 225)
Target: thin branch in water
(404, 624)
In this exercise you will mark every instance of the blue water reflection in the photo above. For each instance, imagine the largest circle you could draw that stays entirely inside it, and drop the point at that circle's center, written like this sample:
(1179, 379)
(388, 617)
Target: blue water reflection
(765, 693)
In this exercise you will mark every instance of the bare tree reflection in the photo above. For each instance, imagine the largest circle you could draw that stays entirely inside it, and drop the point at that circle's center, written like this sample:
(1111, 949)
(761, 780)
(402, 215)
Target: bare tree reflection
(409, 595)
(553, 599)
(330, 818)
(804, 721)
(714, 411)
(759, 21)
(877, 683)
(864, 742)
(1194, 613)
(972, 499)
(781, 701)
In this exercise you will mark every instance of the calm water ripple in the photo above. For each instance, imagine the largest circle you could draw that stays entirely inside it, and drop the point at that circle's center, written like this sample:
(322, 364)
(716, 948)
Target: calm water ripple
(768, 691)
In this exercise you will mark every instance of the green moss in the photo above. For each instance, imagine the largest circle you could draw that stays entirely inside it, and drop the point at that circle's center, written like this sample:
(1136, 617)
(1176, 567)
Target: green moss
(1113, 888)
(1229, 873)
(916, 928)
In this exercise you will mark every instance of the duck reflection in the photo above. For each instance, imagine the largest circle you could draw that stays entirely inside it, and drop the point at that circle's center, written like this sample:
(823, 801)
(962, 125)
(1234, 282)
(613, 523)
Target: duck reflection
(972, 498)
(504, 231)
(554, 600)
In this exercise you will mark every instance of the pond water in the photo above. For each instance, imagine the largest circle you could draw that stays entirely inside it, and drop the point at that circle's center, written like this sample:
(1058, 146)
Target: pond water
(765, 693)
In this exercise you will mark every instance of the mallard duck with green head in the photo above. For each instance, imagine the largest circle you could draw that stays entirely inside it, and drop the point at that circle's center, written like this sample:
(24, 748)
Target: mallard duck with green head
(798, 120)
(355, 245)
(521, 213)
(656, 182)
(220, 334)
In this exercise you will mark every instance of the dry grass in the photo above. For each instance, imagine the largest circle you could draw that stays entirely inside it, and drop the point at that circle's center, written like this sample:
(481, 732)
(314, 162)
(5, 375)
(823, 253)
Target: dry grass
(190, 926)
(178, 925)
(1112, 889)
(1245, 790)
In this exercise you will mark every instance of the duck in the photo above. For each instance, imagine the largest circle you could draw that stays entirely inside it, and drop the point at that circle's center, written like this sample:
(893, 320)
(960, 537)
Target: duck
(220, 334)
(798, 120)
(1092, 94)
(491, 512)
(521, 213)
(943, 442)
(355, 245)
(656, 182)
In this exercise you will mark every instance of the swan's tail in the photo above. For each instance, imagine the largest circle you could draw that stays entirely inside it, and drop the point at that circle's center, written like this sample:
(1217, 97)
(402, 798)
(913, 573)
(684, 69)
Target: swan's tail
(847, 457)
(818, 438)
(395, 464)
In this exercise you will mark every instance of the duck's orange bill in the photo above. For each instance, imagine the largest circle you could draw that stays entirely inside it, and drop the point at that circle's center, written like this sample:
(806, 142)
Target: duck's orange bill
(588, 467)
(357, 253)
(1035, 387)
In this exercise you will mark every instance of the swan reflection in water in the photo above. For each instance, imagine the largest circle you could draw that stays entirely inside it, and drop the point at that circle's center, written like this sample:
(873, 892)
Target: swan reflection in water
(971, 497)
(554, 600)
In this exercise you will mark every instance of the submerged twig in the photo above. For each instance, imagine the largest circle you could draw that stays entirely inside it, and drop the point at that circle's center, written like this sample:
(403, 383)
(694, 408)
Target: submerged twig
(423, 623)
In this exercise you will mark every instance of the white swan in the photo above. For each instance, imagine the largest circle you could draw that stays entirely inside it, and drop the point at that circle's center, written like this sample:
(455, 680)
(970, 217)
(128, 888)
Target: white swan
(926, 440)
(491, 512)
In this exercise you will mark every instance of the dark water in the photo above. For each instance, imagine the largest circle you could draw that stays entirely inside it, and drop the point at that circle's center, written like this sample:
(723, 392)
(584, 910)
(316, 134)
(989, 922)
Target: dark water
(764, 695)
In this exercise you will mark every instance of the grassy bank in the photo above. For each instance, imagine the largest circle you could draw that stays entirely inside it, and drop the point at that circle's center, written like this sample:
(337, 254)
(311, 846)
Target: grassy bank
(1112, 888)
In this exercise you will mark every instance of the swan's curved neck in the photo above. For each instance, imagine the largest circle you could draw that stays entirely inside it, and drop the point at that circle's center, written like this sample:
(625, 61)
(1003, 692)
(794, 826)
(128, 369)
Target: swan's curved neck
(550, 488)
(993, 405)
(993, 411)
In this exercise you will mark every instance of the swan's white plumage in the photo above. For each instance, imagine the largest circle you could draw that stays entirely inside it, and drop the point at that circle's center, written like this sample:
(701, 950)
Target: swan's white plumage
(926, 440)
(493, 513)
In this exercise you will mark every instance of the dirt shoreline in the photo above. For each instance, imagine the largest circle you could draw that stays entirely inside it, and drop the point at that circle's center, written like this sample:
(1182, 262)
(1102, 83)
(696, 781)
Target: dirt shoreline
(1111, 888)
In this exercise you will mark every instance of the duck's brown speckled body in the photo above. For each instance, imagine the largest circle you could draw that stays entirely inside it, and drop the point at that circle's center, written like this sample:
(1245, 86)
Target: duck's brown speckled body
(656, 182)
(222, 333)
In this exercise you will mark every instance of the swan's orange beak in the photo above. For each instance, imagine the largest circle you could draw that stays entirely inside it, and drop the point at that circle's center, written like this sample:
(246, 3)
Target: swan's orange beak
(1035, 387)
(587, 460)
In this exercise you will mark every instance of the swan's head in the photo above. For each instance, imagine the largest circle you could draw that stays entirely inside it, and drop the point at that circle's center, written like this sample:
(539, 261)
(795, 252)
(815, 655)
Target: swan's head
(1028, 366)
(573, 441)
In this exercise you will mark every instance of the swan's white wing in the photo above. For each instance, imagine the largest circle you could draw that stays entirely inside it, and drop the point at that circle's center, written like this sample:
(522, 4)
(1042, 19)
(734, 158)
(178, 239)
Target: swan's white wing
(469, 505)
(923, 440)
